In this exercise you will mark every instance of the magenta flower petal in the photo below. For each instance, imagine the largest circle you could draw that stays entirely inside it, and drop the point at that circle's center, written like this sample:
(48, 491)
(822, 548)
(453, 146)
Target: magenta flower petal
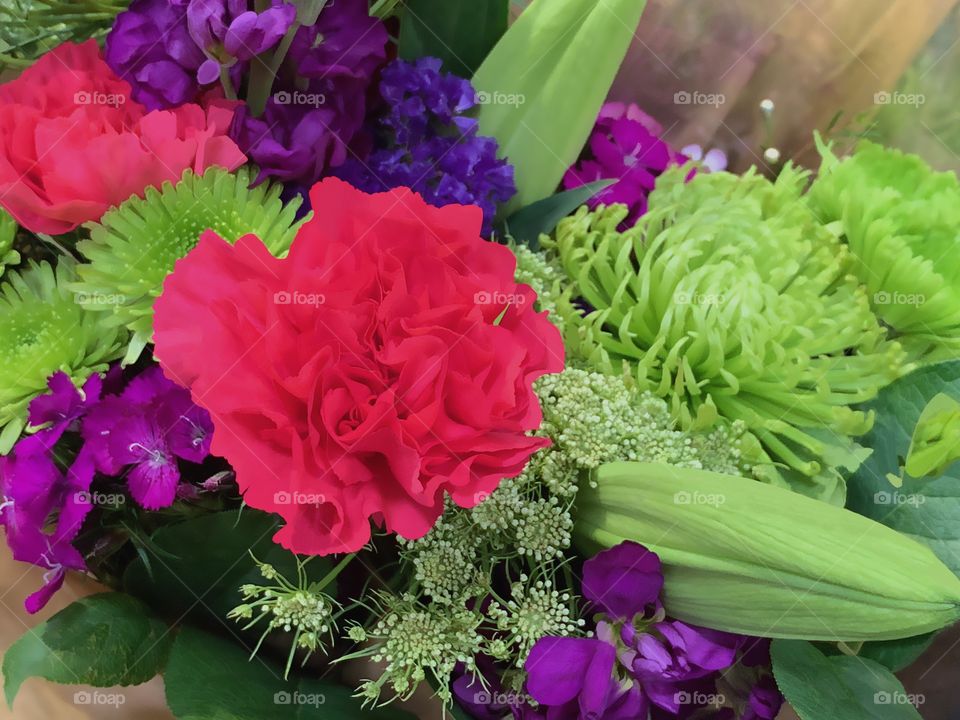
(624, 580)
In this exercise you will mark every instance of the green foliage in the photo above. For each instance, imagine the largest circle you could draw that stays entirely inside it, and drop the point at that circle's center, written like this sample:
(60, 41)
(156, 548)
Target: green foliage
(528, 224)
(899, 219)
(728, 297)
(29, 28)
(926, 509)
(558, 60)
(211, 678)
(44, 328)
(840, 687)
(134, 246)
(895, 655)
(460, 34)
(196, 567)
(102, 640)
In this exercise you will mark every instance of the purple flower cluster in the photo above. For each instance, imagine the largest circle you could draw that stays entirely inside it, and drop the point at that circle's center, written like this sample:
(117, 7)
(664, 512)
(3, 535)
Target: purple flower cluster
(168, 49)
(319, 99)
(639, 663)
(427, 142)
(625, 146)
(137, 432)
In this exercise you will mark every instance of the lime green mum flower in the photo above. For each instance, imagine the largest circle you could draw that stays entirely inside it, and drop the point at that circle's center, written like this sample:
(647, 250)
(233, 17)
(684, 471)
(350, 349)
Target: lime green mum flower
(134, 246)
(8, 233)
(901, 220)
(44, 329)
(730, 298)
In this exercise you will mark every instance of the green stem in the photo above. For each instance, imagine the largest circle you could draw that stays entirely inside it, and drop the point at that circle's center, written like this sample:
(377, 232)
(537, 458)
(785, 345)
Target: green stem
(332, 575)
(263, 71)
(228, 90)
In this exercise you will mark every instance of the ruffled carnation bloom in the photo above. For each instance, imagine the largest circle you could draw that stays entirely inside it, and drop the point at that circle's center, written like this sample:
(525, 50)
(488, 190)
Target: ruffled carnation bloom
(319, 99)
(428, 142)
(73, 142)
(625, 146)
(385, 363)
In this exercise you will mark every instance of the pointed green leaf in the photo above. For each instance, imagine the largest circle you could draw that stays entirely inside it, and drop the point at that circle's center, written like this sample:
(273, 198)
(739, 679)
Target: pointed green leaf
(102, 640)
(543, 84)
(528, 224)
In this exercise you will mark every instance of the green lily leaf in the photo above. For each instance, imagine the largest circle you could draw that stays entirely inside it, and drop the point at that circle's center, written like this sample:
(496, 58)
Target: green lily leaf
(528, 224)
(543, 84)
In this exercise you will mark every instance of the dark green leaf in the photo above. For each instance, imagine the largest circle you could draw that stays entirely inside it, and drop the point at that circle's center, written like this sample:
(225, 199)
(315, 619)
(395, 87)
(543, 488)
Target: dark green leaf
(459, 33)
(897, 654)
(210, 678)
(926, 509)
(199, 565)
(527, 224)
(840, 687)
(102, 640)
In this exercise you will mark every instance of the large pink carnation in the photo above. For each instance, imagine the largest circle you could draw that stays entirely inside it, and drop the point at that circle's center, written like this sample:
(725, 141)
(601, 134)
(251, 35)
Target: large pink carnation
(386, 362)
(73, 142)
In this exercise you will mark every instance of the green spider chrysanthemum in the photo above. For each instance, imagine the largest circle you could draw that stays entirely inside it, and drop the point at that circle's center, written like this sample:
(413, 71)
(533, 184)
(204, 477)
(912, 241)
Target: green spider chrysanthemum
(8, 233)
(729, 297)
(901, 220)
(43, 329)
(134, 246)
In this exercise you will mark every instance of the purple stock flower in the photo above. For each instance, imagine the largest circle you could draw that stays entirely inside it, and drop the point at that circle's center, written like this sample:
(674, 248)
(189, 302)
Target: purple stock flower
(151, 48)
(624, 580)
(576, 678)
(765, 700)
(625, 146)
(309, 123)
(151, 424)
(227, 32)
(429, 145)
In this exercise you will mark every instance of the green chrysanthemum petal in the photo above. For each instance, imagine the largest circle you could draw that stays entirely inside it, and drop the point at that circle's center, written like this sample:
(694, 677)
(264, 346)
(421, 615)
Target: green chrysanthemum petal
(134, 246)
(901, 220)
(728, 296)
(42, 330)
(8, 233)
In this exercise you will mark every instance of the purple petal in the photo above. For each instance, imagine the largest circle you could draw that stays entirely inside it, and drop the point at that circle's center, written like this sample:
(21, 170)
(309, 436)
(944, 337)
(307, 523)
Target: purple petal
(38, 600)
(154, 484)
(558, 669)
(209, 72)
(624, 580)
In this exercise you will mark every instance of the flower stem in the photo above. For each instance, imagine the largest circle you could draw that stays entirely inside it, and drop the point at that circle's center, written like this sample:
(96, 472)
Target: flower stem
(228, 90)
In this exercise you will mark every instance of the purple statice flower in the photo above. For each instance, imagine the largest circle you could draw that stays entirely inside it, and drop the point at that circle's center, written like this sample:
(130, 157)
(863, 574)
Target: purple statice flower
(151, 48)
(625, 146)
(145, 430)
(228, 32)
(427, 143)
(319, 100)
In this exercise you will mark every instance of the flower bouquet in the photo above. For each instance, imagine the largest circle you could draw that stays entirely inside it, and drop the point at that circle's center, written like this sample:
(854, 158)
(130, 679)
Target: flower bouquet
(363, 352)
